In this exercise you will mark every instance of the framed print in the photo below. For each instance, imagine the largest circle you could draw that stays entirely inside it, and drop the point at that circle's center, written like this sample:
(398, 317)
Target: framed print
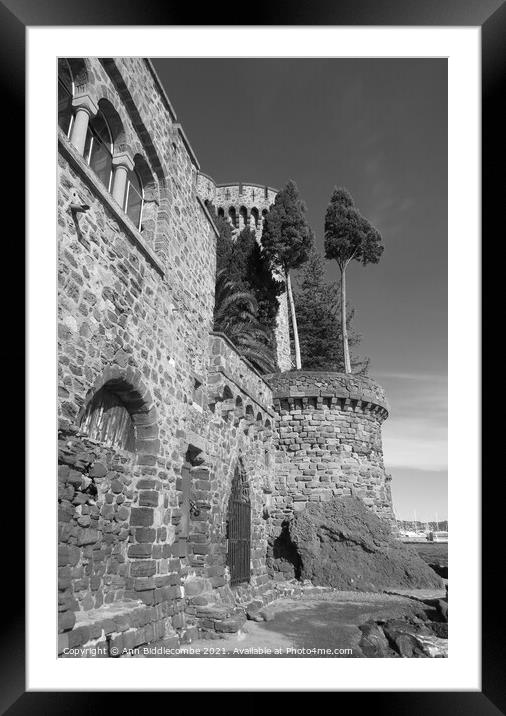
(266, 381)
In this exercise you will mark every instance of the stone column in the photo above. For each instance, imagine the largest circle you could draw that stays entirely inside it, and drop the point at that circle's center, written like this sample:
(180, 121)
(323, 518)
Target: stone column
(122, 163)
(84, 108)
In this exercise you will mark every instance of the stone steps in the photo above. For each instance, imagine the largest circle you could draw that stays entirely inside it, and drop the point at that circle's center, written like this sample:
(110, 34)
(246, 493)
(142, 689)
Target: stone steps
(113, 628)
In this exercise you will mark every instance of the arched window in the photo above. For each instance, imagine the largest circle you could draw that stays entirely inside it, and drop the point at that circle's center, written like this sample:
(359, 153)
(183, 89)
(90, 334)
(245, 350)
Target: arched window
(99, 147)
(243, 212)
(254, 214)
(233, 216)
(134, 198)
(107, 420)
(221, 212)
(65, 95)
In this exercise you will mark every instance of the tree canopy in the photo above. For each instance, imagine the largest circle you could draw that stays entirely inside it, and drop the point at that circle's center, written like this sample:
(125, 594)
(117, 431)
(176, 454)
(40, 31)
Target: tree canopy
(286, 235)
(348, 235)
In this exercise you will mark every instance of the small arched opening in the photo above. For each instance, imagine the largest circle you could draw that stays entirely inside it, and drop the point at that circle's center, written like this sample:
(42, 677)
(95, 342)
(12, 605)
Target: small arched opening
(232, 215)
(118, 416)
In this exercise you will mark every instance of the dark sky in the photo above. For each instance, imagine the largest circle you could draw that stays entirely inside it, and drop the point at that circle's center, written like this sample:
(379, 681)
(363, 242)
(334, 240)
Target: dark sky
(378, 127)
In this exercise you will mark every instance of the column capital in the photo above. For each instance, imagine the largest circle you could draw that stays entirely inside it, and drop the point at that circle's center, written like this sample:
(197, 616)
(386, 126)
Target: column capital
(123, 159)
(85, 102)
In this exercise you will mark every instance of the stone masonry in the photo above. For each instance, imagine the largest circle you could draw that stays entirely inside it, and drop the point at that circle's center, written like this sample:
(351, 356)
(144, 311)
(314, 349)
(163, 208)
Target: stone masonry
(328, 434)
(159, 417)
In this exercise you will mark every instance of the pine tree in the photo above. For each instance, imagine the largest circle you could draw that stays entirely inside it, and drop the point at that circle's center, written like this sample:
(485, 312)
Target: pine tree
(318, 305)
(349, 237)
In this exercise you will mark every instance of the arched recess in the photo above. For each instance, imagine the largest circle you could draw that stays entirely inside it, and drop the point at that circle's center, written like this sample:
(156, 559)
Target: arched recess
(255, 215)
(80, 73)
(115, 123)
(243, 213)
(105, 138)
(232, 215)
(239, 528)
(119, 413)
(73, 78)
(221, 212)
(144, 213)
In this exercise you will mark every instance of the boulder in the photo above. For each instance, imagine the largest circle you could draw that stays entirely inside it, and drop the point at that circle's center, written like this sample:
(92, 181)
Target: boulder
(253, 609)
(374, 643)
(344, 545)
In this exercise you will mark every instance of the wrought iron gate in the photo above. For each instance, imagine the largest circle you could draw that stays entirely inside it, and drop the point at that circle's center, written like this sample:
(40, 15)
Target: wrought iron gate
(239, 530)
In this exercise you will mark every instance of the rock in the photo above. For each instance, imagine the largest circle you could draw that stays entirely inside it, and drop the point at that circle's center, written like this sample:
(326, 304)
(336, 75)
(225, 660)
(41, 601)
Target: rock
(441, 569)
(212, 611)
(75, 478)
(253, 609)
(442, 609)
(433, 646)
(98, 470)
(374, 643)
(402, 636)
(344, 545)
(440, 629)
(266, 614)
(230, 626)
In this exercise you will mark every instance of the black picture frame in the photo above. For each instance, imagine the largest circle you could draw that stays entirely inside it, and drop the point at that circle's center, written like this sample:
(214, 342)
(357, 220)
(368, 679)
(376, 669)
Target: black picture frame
(15, 16)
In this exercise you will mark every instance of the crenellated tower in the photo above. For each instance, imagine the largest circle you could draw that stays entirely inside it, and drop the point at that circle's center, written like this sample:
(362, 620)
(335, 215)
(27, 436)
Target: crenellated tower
(246, 204)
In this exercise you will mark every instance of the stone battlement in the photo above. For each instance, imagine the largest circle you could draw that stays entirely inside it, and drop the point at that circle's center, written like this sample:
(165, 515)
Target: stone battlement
(355, 392)
(236, 194)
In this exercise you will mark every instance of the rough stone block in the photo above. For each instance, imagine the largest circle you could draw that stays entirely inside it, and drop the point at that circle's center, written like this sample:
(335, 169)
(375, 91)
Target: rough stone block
(148, 498)
(141, 516)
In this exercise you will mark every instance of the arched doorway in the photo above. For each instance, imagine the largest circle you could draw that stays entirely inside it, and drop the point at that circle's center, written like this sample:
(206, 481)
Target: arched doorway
(239, 529)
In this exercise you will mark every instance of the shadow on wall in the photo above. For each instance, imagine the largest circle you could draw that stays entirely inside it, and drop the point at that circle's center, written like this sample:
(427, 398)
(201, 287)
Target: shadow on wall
(283, 556)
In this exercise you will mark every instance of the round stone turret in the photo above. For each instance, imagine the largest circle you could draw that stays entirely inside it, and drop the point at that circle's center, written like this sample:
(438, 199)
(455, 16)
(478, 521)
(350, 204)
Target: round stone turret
(329, 441)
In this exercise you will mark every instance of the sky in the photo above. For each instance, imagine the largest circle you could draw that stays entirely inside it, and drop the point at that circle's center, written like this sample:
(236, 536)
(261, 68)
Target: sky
(379, 128)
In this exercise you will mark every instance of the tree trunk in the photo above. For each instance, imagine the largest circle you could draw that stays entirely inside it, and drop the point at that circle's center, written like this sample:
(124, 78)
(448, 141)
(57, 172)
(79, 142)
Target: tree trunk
(298, 364)
(344, 327)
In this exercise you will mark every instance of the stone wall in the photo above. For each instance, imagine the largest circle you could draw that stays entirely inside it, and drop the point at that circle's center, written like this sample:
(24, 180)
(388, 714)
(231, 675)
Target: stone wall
(236, 431)
(135, 311)
(328, 433)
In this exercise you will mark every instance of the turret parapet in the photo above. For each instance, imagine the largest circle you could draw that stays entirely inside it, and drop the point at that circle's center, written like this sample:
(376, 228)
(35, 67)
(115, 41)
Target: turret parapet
(243, 203)
(329, 438)
(343, 391)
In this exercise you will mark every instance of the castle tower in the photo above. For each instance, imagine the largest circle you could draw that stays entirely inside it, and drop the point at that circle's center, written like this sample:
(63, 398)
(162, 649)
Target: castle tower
(329, 441)
(246, 205)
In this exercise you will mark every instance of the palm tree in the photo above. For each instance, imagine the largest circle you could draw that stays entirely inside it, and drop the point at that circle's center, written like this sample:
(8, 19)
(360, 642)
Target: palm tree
(235, 311)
